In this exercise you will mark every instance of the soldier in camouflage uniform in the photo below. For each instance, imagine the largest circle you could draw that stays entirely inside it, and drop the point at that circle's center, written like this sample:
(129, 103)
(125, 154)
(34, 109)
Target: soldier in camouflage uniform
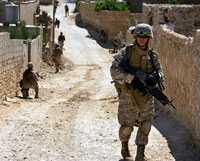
(117, 42)
(30, 80)
(136, 106)
(57, 53)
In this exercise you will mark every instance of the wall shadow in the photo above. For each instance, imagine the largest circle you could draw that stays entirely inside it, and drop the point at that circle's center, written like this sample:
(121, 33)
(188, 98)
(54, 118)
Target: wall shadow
(92, 32)
(179, 138)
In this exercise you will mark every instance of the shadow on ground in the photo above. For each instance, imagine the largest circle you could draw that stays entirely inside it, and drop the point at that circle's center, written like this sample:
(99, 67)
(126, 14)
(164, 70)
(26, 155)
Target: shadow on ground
(179, 138)
(92, 32)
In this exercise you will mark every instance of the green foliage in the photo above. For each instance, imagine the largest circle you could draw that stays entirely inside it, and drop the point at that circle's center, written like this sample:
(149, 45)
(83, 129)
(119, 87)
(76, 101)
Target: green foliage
(22, 32)
(44, 42)
(173, 2)
(111, 5)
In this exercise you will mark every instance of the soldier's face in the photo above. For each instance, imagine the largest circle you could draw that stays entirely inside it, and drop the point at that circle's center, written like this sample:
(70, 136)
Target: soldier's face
(142, 41)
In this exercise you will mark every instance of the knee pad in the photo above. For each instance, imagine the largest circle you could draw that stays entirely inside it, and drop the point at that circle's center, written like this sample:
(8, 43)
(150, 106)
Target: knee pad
(146, 127)
(125, 131)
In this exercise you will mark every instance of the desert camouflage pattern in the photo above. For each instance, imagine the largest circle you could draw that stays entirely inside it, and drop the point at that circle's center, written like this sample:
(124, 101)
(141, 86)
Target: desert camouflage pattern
(57, 57)
(30, 80)
(136, 107)
(117, 42)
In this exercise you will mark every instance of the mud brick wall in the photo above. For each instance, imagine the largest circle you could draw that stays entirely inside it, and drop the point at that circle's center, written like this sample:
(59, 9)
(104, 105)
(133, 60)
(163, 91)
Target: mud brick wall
(197, 17)
(27, 12)
(110, 21)
(13, 62)
(179, 57)
(46, 2)
(182, 18)
(36, 52)
(136, 5)
(179, 53)
(11, 65)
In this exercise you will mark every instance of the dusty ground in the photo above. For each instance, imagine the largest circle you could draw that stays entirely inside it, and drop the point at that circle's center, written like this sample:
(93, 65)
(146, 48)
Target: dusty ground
(76, 115)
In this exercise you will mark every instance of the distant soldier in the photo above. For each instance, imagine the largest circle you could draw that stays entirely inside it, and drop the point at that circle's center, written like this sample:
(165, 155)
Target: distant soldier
(118, 42)
(56, 3)
(30, 80)
(61, 39)
(38, 10)
(57, 23)
(66, 10)
(57, 53)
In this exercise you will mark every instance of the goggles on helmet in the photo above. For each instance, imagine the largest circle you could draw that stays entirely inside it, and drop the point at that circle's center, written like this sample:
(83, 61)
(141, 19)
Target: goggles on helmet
(141, 30)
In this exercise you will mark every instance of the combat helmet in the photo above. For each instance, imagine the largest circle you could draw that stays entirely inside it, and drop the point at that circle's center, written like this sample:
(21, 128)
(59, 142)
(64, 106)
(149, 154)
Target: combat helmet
(143, 30)
(30, 65)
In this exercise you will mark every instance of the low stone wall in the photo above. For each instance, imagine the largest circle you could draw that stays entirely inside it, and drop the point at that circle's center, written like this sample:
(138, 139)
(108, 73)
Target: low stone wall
(110, 21)
(11, 65)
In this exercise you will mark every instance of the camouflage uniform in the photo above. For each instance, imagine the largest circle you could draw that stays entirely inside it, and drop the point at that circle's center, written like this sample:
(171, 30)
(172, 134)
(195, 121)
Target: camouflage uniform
(30, 80)
(136, 107)
(57, 57)
(117, 42)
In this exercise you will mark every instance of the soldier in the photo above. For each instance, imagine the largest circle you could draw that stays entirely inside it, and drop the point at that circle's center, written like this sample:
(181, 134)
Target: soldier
(136, 106)
(61, 39)
(57, 23)
(30, 80)
(57, 57)
(66, 10)
(117, 43)
(38, 10)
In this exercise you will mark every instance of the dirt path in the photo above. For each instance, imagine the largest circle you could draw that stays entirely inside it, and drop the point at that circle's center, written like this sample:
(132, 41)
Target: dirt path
(76, 116)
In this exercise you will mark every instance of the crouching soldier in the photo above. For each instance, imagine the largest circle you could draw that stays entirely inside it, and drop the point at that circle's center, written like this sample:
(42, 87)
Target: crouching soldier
(57, 53)
(30, 80)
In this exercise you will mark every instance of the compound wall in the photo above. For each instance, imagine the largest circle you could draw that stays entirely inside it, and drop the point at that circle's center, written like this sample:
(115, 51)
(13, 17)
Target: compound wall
(14, 55)
(11, 64)
(179, 55)
(110, 21)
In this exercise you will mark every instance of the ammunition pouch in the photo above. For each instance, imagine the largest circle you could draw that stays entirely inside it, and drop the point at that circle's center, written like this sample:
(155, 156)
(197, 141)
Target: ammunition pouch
(124, 88)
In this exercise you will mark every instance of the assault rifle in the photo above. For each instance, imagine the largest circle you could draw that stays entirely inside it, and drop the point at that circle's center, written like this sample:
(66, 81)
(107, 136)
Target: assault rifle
(153, 90)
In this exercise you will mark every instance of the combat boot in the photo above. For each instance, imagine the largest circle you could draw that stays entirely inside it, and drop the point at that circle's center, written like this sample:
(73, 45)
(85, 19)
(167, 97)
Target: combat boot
(25, 93)
(125, 152)
(36, 96)
(140, 156)
(37, 92)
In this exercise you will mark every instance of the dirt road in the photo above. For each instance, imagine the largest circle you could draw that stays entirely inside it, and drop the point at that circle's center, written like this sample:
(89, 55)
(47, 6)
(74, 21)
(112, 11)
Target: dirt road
(75, 118)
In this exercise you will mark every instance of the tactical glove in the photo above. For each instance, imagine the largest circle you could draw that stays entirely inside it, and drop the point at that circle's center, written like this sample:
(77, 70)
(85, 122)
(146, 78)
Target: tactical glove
(136, 83)
(152, 79)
